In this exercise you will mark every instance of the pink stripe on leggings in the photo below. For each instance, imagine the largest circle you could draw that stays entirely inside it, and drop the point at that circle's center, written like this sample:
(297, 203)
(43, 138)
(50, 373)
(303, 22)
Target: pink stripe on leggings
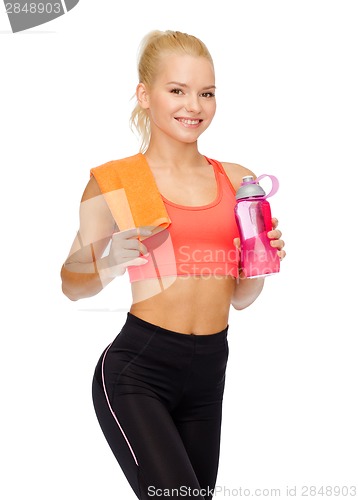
(111, 410)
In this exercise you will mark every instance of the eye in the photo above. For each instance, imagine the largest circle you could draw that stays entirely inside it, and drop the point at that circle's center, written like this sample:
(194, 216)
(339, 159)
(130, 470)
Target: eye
(208, 94)
(176, 91)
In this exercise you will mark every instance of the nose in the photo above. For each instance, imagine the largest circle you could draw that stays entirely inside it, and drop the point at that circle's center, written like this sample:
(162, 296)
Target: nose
(192, 104)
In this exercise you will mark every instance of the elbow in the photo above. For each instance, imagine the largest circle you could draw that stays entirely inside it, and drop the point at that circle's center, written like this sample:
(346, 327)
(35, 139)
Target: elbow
(246, 293)
(68, 294)
(66, 289)
(245, 301)
(239, 306)
(77, 285)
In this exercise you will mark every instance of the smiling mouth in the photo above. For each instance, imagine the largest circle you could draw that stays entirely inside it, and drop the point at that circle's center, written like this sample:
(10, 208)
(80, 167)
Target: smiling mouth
(187, 121)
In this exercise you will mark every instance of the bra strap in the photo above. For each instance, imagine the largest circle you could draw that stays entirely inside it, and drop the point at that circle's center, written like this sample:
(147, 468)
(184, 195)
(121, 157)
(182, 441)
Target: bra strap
(222, 170)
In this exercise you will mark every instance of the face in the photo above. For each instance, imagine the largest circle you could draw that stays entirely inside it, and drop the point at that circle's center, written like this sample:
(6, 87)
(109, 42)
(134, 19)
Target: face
(181, 102)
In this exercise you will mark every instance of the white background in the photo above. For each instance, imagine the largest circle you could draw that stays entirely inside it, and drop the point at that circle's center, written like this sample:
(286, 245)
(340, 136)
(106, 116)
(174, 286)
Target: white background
(287, 105)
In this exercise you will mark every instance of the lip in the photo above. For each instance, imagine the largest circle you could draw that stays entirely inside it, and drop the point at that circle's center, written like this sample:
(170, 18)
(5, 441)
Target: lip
(189, 122)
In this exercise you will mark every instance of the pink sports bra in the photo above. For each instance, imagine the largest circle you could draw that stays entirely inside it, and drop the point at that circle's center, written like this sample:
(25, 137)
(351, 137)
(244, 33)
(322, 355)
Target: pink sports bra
(199, 241)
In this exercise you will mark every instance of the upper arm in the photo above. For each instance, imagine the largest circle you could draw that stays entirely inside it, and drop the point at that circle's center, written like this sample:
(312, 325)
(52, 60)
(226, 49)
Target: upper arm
(96, 226)
(236, 172)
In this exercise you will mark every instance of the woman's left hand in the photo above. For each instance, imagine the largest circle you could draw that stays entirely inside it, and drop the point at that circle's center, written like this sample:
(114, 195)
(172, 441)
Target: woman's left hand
(275, 237)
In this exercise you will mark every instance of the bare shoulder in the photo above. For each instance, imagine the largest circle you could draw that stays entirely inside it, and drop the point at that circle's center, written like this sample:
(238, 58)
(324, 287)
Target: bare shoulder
(236, 172)
(94, 208)
(91, 190)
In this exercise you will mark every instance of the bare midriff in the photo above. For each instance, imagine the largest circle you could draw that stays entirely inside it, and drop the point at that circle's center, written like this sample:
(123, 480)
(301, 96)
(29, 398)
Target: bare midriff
(190, 305)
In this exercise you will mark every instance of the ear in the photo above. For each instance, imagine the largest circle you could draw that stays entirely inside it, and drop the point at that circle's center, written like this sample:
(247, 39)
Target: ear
(142, 96)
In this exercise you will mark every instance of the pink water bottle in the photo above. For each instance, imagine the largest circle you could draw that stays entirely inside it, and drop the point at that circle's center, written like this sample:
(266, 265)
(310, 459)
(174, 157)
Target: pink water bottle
(253, 217)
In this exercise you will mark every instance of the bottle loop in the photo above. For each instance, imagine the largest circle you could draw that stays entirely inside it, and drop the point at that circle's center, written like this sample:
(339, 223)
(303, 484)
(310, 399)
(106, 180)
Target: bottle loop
(274, 181)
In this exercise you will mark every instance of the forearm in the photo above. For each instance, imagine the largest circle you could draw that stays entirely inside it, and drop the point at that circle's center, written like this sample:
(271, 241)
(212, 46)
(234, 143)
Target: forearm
(81, 280)
(246, 292)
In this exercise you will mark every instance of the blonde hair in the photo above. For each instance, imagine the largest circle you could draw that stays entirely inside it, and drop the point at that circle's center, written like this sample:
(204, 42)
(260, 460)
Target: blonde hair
(151, 49)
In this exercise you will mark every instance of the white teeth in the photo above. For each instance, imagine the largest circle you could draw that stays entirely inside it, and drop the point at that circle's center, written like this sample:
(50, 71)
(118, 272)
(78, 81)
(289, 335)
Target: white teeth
(189, 122)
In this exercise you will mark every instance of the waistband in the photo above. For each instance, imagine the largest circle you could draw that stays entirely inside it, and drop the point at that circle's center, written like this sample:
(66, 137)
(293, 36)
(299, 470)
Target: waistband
(146, 327)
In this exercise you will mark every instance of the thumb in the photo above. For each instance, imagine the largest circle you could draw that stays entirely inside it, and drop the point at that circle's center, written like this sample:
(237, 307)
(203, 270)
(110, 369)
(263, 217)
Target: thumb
(237, 242)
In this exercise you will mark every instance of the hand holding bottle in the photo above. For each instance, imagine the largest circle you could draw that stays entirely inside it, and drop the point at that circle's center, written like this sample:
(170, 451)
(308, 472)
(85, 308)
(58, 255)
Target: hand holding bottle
(274, 236)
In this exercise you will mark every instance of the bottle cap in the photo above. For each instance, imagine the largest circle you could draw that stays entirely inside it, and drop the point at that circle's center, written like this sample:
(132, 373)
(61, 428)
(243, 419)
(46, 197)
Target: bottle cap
(249, 188)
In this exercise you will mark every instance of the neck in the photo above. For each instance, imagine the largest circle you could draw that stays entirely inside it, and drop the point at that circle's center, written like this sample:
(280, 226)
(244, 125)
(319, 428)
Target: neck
(176, 155)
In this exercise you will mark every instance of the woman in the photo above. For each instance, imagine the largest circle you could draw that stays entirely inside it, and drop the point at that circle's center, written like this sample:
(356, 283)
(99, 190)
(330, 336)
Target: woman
(158, 387)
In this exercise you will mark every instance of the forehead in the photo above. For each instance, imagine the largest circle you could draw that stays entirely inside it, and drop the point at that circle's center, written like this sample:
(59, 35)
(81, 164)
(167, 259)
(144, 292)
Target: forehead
(186, 69)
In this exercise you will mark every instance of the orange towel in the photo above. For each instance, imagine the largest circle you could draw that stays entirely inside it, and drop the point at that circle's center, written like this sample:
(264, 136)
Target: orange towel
(131, 193)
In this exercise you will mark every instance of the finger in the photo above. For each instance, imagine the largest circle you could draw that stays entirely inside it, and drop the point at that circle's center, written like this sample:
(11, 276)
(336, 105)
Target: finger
(274, 234)
(145, 231)
(274, 222)
(281, 254)
(143, 249)
(134, 232)
(132, 244)
(126, 233)
(134, 248)
(277, 244)
(237, 242)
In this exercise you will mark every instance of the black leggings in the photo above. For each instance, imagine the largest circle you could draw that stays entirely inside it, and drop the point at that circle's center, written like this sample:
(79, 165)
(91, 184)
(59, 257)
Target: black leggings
(158, 398)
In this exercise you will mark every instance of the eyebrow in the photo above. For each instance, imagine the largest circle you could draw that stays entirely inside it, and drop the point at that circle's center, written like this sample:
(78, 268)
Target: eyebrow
(186, 86)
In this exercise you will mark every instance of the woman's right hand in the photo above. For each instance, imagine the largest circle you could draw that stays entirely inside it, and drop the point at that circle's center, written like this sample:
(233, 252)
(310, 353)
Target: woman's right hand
(126, 250)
